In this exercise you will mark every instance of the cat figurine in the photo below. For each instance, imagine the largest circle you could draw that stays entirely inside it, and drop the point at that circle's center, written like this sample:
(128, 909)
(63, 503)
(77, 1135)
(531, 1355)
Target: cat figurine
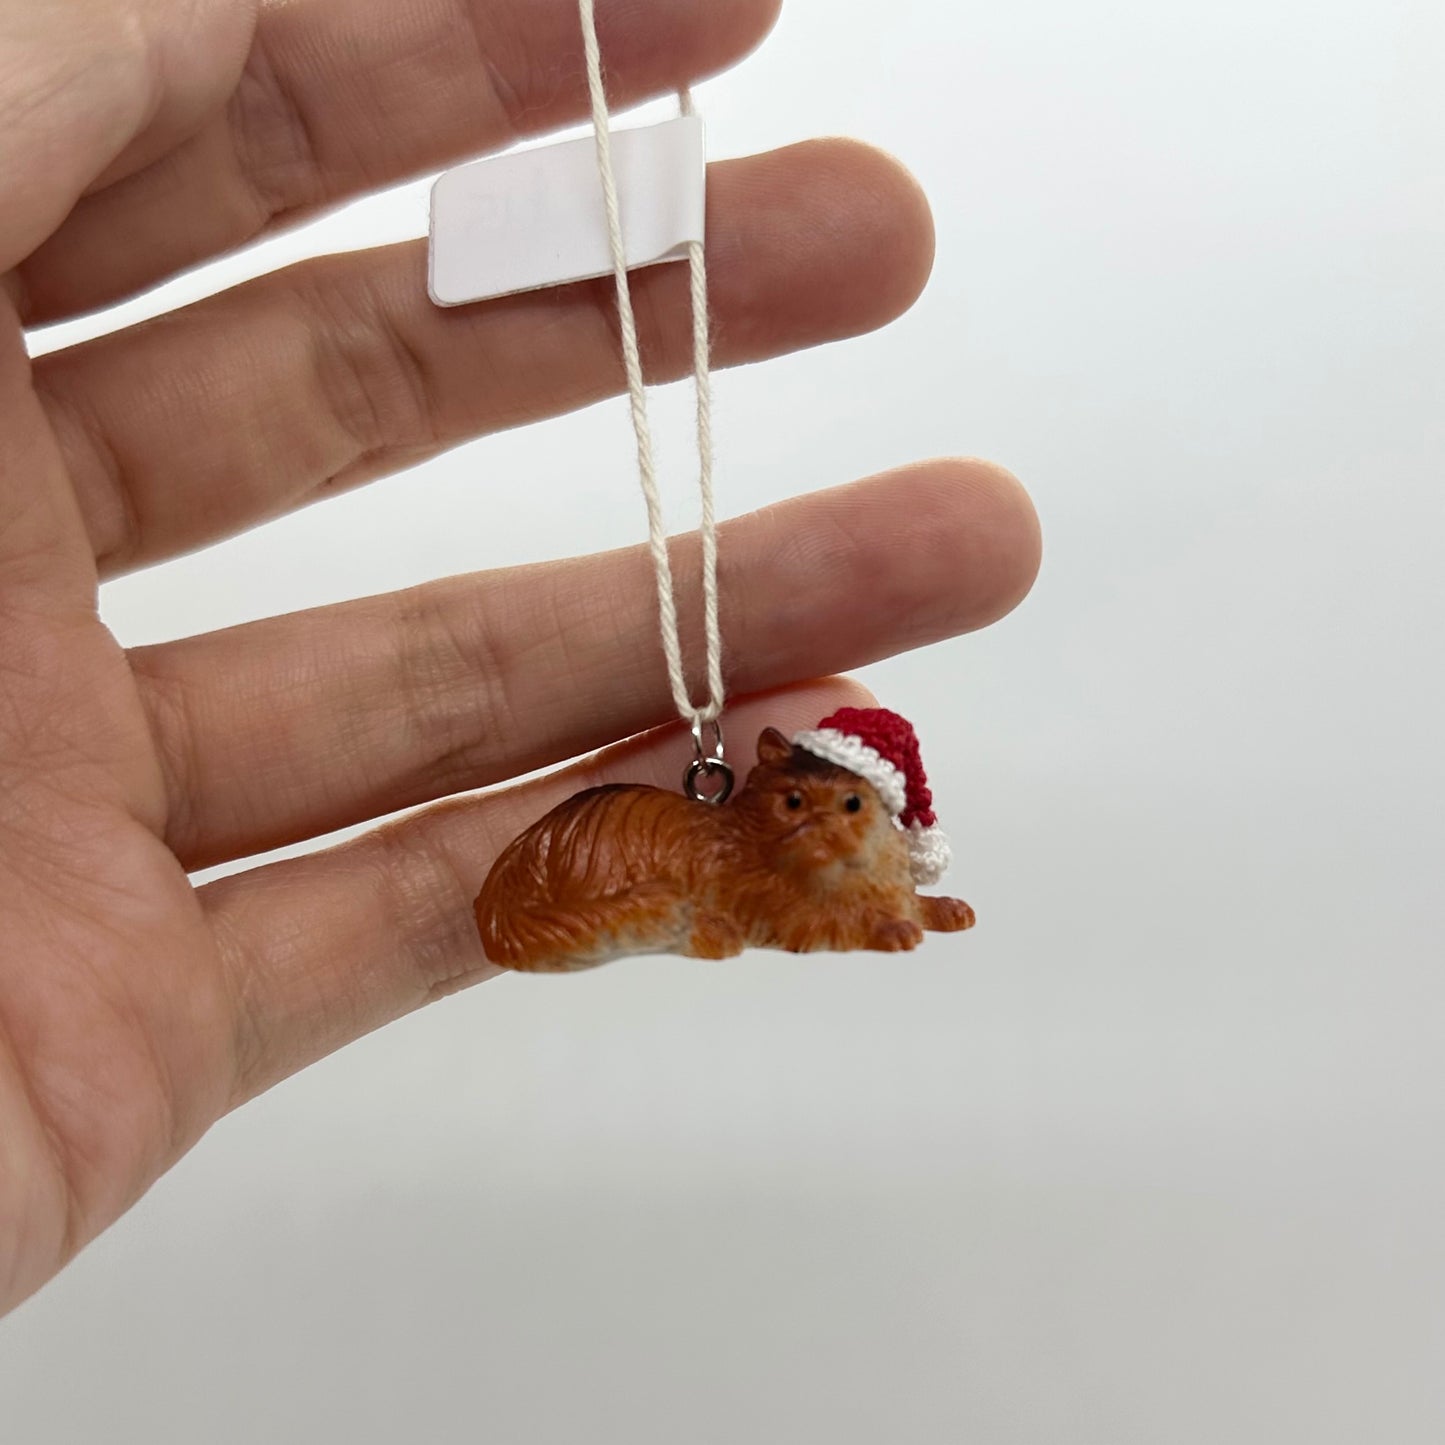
(807, 856)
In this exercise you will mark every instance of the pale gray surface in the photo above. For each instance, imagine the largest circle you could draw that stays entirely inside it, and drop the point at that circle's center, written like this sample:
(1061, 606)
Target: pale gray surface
(1154, 1156)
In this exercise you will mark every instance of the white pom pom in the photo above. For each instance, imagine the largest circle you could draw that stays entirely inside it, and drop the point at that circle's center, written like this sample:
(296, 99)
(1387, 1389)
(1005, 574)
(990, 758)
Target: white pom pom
(928, 853)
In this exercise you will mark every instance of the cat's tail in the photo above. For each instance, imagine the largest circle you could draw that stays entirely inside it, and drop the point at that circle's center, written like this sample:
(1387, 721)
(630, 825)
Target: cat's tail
(565, 937)
(537, 940)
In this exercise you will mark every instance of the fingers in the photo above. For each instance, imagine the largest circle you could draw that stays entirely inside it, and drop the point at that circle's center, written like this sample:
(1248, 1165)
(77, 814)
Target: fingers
(343, 96)
(323, 949)
(316, 378)
(292, 727)
(94, 89)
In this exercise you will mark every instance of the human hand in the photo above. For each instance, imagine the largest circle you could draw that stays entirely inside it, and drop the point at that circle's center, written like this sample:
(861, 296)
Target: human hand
(143, 136)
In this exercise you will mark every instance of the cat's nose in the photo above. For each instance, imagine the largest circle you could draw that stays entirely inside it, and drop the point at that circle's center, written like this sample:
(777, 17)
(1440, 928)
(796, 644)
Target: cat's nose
(833, 840)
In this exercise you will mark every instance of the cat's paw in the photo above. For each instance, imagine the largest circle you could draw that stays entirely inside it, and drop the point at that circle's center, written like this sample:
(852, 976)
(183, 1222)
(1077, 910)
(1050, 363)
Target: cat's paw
(946, 915)
(895, 935)
(714, 937)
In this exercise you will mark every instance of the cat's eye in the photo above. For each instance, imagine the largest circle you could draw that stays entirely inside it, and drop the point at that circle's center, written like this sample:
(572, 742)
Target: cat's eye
(795, 801)
(853, 802)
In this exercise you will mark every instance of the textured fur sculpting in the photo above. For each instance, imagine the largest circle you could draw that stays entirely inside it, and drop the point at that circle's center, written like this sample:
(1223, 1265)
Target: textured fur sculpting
(806, 857)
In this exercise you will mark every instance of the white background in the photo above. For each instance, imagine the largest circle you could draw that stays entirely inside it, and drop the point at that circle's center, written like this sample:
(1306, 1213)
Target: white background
(1153, 1155)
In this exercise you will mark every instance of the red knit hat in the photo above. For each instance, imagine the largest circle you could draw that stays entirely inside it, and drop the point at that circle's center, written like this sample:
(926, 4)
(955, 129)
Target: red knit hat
(882, 749)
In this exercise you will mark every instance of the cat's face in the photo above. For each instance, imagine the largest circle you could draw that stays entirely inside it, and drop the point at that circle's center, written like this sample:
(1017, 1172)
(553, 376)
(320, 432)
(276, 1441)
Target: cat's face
(812, 814)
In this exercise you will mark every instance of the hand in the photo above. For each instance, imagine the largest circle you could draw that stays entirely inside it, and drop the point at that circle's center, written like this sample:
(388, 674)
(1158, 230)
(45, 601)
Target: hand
(141, 137)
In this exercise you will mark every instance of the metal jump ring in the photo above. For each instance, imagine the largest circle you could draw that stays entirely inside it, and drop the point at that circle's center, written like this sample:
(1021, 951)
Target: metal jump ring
(708, 768)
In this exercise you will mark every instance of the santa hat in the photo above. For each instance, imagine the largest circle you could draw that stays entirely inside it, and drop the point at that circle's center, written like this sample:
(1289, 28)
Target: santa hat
(881, 748)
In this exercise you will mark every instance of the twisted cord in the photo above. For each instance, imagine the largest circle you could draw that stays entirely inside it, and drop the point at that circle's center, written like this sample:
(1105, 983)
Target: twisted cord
(637, 397)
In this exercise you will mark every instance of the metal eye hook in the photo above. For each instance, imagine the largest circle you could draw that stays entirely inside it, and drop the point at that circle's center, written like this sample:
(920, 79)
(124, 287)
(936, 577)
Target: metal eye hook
(707, 764)
(699, 747)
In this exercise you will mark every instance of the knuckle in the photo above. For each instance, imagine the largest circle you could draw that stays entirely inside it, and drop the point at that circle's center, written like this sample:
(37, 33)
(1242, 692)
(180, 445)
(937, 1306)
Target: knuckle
(375, 381)
(432, 908)
(454, 682)
(273, 136)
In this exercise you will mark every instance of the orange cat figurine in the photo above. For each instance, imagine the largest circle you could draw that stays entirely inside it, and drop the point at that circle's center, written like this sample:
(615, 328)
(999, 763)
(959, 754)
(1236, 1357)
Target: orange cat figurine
(821, 849)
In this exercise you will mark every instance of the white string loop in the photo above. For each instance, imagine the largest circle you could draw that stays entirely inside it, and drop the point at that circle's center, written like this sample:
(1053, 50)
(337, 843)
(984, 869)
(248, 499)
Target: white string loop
(637, 396)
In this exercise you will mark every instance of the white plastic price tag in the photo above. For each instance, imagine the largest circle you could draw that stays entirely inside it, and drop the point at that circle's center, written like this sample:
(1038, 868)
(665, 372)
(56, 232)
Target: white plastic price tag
(535, 218)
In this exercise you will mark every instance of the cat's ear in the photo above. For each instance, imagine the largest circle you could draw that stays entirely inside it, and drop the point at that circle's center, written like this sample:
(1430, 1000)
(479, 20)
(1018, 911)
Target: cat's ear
(773, 747)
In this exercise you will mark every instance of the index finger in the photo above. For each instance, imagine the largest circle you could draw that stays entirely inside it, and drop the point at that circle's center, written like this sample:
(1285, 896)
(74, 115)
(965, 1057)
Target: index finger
(93, 89)
(340, 97)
